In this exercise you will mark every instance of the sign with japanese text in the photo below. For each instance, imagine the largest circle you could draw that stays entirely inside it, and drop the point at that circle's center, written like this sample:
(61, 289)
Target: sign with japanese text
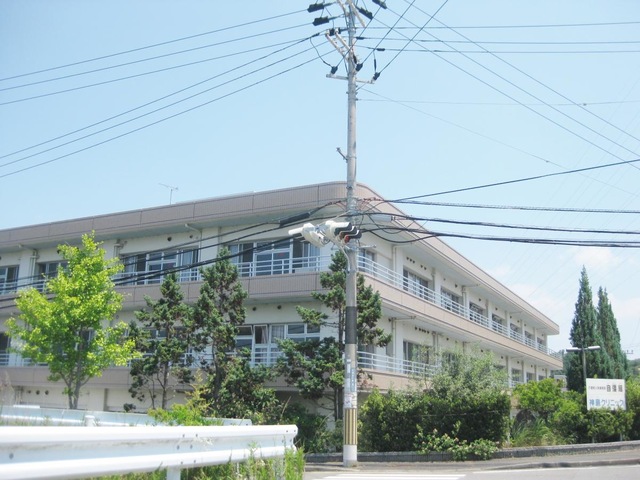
(606, 393)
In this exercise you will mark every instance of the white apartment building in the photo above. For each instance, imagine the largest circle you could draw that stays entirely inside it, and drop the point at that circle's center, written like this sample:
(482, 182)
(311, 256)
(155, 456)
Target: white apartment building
(434, 299)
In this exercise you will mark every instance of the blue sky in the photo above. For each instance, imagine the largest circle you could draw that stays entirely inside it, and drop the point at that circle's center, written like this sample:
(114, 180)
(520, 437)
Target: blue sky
(216, 98)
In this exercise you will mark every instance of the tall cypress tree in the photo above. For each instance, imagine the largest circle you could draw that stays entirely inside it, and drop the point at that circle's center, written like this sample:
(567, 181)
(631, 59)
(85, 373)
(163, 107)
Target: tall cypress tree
(584, 333)
(608, 325)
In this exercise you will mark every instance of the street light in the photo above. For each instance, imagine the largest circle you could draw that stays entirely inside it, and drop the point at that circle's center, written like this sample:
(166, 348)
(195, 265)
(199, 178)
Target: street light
(584, 359)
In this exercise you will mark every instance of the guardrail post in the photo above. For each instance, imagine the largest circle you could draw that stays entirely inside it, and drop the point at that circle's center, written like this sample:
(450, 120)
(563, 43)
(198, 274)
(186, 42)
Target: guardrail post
(173, 474)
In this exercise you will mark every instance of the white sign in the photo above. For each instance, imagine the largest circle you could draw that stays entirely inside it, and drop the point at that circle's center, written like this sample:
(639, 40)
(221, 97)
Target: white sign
(606, 393)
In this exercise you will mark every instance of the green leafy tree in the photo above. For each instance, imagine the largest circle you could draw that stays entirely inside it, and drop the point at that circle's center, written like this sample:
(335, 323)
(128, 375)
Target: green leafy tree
(585, 333)
(316, 367)
(610, 335)
(541, 398)
(164, 343)
(70, 325)
(468, 387)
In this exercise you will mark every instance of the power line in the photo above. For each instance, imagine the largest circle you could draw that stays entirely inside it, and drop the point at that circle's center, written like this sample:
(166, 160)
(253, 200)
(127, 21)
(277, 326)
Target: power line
(519, 180)
(146, 105)
(546, 25)
(152, 72)
(136, 62)
(531, 95)
(190, 37)
(520, 207)
(165, 118)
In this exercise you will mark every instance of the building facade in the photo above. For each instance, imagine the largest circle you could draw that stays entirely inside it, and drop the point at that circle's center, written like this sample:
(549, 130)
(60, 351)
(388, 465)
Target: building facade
(434, 299)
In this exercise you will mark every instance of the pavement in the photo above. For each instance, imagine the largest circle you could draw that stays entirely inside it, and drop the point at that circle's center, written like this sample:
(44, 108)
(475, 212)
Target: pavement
(619, 453)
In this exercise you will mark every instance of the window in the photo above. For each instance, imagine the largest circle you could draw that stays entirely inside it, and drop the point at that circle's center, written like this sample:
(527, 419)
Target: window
(367, 261)
(515, 332)
(8, 279)
(274, 258)
(148, 268)
(477, 309)
(415, 284)
(414, 352)
(497, 323)
(299, 332)
(4, 349)
(516, 375)
(50, 269)
(47, 271)
(450, 300)
(530, 377)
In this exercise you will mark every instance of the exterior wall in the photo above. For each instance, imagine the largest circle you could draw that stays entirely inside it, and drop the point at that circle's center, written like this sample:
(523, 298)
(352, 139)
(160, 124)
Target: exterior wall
(421, 319)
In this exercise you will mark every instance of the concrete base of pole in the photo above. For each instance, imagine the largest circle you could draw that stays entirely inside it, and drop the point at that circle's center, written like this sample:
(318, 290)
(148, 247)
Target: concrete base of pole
(349, 455)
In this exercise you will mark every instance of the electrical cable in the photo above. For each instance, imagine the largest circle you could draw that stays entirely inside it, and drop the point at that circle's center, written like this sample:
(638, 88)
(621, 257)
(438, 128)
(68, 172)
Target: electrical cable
(152, 72)
(170, 116)
(521, 207)
(533, 96)
(510, 182)
(151, 103)
(190, 37)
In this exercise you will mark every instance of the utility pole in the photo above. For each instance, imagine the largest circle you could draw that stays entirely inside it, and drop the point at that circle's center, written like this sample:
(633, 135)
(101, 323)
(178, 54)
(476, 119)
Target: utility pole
(350, 402)
(321, 235)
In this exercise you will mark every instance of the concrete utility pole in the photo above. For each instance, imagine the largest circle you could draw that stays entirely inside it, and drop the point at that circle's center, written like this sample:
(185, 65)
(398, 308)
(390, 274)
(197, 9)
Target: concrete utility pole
(350, 411)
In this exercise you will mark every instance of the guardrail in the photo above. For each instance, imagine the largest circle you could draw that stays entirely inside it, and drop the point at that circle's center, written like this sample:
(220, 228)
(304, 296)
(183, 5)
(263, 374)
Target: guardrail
(81, 452)
(32, 415)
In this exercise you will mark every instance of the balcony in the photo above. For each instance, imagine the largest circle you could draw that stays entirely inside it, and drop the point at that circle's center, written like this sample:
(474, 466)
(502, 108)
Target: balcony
(290, 265)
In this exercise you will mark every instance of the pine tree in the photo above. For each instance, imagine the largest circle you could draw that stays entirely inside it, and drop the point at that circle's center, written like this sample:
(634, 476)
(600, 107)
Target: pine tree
(164, 341)
(217, 314)
(584, 333)
(610, 335)
(316, 367)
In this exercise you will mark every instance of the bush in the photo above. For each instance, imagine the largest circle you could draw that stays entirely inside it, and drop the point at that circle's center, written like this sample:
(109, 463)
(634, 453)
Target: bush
(387, 423)
(460, 450)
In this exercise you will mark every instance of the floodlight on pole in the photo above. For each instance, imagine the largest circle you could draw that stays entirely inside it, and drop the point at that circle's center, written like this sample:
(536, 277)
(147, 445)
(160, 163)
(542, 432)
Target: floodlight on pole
(584, 358)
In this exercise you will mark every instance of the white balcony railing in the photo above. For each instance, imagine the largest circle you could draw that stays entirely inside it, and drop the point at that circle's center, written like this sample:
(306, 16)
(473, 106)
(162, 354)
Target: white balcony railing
(289, 265)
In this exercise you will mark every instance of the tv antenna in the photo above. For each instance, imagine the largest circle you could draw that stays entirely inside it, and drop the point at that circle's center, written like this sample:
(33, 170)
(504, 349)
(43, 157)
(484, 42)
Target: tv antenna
(171, 189)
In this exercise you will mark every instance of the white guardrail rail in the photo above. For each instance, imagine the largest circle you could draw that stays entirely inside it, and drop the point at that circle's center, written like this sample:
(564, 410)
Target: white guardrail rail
(81, 452)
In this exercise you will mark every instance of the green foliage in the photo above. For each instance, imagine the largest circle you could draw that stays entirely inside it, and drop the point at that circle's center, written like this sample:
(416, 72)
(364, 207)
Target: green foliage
(316, 367)
(242, 393)
(533, 433)
(460, 450)
(467, 396)
(633, 405)
(616, 359)
(217, 314)
(291, 467)
(540, 398)
(609, 425)
(569, 421)
(64, 326)
(165, 363)
(389, 422)
(591, 327)
(314, 434)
